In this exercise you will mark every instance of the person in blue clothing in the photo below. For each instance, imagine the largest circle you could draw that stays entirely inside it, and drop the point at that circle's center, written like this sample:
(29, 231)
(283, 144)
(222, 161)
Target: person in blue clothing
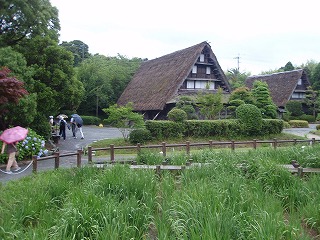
(62, 127)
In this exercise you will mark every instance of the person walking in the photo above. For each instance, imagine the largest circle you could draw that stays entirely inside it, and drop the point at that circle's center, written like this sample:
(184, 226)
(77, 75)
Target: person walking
(76, 123)
(12, 162)
(62, 127)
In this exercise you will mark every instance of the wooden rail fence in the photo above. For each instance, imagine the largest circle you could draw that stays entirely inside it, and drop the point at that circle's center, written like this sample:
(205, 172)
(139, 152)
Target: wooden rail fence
(187, 145)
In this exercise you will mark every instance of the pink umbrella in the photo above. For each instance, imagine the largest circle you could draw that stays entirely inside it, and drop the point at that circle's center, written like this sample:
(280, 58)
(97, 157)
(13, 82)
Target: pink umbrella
(14, 134)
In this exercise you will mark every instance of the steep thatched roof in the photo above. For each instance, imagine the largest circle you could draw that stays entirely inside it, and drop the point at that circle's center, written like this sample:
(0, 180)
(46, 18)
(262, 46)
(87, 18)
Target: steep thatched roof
(282, 84)
(157, 81)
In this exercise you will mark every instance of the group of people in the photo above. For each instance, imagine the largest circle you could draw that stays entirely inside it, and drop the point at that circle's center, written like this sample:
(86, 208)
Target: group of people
(63, 125)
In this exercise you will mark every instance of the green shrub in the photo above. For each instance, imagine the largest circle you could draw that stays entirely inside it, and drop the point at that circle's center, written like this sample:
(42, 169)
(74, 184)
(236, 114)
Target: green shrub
(286, 125)
(165, 129)
(140, 135)
(305, 117)
(318, 127)
(91, 120)
(177, 115)
(271, 126)
(294, 107)
(299, 123)
(251, 118)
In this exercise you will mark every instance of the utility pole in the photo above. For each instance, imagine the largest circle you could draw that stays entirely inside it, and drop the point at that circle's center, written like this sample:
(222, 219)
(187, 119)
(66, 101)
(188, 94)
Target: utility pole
(238, 61)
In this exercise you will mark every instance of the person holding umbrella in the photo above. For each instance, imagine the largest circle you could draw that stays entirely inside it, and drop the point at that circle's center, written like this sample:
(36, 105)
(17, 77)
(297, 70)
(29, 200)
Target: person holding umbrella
(76, 121)
(10, 138)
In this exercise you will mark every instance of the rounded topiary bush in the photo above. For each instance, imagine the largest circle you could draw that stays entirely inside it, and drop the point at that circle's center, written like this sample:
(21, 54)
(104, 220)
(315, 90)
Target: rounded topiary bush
(139, 136)
(177, 115)
(250, 117)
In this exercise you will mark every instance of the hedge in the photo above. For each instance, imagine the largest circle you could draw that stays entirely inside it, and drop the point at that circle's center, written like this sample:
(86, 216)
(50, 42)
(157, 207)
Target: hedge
(208, 128)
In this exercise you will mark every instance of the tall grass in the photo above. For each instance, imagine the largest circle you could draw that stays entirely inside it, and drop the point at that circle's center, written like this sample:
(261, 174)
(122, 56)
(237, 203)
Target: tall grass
(237, 195)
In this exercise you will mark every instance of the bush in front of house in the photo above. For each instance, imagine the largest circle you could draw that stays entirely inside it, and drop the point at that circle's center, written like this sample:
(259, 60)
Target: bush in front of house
(299, 123)
(250, 117)
(271, 126)
(207, 128)
(177, 115)
(140, 135)
(165, 129)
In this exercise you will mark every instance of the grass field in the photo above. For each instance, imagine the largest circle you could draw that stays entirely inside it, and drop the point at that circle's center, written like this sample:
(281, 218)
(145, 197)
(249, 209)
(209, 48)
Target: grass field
(237, 195)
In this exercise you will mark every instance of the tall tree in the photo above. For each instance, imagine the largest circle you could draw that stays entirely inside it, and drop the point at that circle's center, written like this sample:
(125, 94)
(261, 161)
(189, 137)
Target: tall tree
(236, 78)
(263, 99)
(104, 79)
(79, 49)
(312, 100)
(287, 67)
(55, 82)
(11, 91)
(315, 78)
(25, 19)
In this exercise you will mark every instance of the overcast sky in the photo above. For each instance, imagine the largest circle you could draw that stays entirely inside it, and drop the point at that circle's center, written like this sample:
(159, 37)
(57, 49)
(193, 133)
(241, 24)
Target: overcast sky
(265, 34)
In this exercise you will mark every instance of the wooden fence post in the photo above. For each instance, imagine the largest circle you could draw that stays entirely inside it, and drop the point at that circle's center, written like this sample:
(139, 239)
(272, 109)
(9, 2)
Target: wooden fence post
(313, 141)
(188, 147)
(300, 171)
(158, 171)
(232, 145)
(90, 154)
(79, 153)
(164, 149)
(210, 144)
(254, 143)
(295, 141)
(138, 148)
(34, 163)
(112, 153)
(56, 160)
(275, 143)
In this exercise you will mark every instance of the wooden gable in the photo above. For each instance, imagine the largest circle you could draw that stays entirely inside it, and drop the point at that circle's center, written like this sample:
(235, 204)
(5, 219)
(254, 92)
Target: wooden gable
(284, 86)
(160, 81)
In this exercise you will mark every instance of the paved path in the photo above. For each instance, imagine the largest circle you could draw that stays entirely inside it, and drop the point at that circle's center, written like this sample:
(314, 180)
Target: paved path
(91, 134)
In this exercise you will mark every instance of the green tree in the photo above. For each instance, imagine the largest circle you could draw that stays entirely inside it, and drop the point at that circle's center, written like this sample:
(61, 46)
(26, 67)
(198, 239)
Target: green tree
(294, 107)
(56, 84)
(104, 79)
(22, 19)
(210, 104)
(315, 78)
(287, 67)
(124, 118)
(186, 104)
(312, 100)
(236, 78)
(250, 117)
(240, 96)
(79, 49)
(263, 101)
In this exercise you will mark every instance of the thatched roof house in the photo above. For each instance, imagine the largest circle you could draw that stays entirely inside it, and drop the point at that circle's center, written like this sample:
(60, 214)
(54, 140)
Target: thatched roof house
(158, 83)
(284, 86)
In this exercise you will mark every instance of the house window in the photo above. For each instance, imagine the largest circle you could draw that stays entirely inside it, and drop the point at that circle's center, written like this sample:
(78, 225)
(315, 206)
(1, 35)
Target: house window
(194, 69)
(300, 81)
(211, 85)
(208, 70)
(298, 95)
(201, 57)
(190, 84)
(201, 84)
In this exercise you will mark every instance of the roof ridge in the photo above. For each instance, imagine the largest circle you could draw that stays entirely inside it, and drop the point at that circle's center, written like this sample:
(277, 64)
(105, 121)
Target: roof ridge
(278, 73)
